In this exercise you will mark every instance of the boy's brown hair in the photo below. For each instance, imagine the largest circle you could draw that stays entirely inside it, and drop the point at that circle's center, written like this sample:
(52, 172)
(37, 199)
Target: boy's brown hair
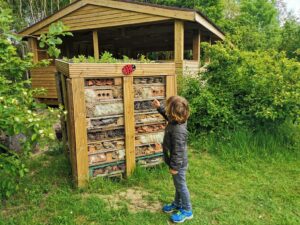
(177, 109)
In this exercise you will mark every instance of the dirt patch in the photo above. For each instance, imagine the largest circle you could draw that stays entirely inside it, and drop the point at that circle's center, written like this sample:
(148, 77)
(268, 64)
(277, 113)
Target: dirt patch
(136, 200)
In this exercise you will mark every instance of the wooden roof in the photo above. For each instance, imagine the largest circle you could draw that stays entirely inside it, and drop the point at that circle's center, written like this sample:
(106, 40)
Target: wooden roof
(95, 14)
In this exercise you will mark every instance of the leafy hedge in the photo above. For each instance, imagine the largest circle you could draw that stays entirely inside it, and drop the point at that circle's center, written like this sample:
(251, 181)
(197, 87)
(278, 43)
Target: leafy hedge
(240, 88)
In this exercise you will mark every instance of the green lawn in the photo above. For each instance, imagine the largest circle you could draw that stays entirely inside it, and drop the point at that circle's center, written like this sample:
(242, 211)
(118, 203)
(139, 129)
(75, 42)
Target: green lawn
(225, 189)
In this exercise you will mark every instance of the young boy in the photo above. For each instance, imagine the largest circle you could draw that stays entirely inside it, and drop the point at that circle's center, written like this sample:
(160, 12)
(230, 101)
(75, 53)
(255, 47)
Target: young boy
(175, 154)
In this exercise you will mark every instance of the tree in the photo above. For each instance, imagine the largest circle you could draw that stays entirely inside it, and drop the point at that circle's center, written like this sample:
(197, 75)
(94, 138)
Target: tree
(256, 27)
(28, 12)
(291, 38)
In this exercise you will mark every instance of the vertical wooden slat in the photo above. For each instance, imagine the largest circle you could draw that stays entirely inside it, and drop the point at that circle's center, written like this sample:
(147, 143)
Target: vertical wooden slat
(170, 86)
(129, 124)
(96, 44)
(196, 45)
(33, 47)
(179, 40)
(71, 129)
(66, 107)
(79, 152)
(178, 49)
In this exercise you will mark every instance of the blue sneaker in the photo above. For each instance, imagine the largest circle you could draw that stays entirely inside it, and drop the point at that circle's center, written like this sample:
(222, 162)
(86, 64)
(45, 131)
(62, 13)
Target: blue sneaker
(181, 216)
(170, 208)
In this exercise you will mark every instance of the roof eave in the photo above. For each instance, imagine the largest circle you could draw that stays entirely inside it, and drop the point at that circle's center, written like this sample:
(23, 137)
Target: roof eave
(209, 26)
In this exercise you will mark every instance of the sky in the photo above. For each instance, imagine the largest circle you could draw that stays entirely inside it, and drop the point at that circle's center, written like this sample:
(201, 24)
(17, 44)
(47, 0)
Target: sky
(293, 5)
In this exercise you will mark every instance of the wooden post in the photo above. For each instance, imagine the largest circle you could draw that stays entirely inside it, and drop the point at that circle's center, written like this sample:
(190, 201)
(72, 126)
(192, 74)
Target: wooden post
(170, 89)
(196, 45)
(77, 115)
(129, 124)
(96, 44)
(178, 49)
(33, 47)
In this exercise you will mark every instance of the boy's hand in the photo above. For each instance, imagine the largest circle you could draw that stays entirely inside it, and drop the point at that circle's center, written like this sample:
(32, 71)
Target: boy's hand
(173, 172)
(156, 104)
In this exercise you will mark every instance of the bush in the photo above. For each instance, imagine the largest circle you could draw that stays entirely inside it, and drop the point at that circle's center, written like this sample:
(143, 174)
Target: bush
(20, 114)
(250, 89)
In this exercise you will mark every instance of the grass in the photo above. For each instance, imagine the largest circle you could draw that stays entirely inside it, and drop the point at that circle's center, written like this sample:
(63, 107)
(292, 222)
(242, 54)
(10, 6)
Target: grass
(242, 178)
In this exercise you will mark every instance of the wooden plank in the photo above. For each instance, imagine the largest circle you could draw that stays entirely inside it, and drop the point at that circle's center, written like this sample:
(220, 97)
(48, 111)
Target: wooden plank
(147, 9)
(79, 132)
(62, 66)
(88, 9)
(129, 124)
(115, 70)
(86, 15)
(33, 47)
(66, 107)
(129, 20)
(71, 128)
(110, 18)
(96, 44)
(196, 45)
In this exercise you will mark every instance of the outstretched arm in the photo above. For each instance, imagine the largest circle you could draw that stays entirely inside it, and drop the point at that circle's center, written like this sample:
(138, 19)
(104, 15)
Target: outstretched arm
(160, 109)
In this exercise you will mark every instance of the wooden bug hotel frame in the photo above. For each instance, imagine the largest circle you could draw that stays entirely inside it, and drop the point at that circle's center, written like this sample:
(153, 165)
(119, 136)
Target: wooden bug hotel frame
(110, 125)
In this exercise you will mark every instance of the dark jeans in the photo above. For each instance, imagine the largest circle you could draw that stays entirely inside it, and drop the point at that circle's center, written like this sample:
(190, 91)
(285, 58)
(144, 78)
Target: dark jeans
(182, 195)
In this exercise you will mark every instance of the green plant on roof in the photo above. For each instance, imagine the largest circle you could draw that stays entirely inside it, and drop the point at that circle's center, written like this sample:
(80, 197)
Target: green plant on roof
(107, 57)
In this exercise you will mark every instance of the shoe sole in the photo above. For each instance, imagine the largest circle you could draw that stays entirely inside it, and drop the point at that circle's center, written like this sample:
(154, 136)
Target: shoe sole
(170, 211)
(186, 218)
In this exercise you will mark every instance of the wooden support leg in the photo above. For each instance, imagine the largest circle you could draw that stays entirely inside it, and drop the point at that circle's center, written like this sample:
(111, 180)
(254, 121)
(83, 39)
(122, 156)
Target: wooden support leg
(77, 115)
(129, 124)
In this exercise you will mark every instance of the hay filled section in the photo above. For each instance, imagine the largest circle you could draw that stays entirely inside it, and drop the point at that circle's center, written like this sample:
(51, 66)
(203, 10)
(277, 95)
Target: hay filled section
(110, 125)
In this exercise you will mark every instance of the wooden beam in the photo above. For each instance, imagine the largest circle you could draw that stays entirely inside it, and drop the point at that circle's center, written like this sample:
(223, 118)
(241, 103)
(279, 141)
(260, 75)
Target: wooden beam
(96, 44)
(196, 45)
(33, 47)
(129, 124)
(78, 139)
(201, 20)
